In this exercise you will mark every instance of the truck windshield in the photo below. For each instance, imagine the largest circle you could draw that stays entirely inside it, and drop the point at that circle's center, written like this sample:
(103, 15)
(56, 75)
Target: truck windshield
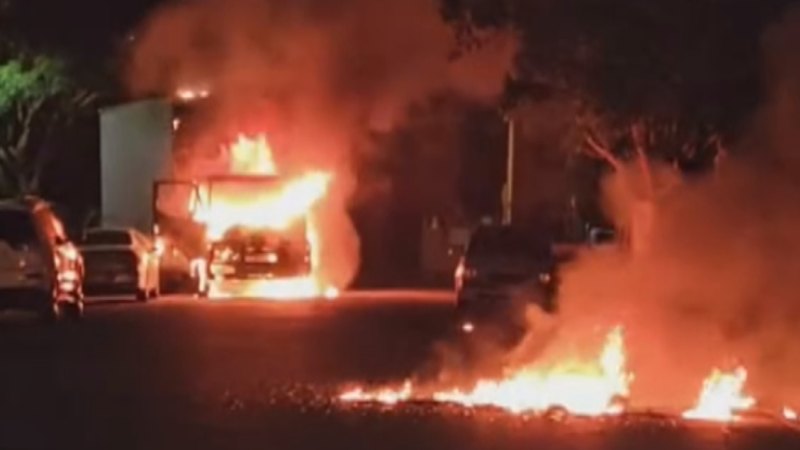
(17, 228)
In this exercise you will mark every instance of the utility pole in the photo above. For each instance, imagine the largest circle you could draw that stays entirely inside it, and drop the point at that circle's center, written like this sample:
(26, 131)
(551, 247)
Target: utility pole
(508, 191)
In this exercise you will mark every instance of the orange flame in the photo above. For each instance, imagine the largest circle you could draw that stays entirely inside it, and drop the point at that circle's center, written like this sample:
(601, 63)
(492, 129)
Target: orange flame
(721, 397)
(385, 396)
(592, 388)
(252, 156)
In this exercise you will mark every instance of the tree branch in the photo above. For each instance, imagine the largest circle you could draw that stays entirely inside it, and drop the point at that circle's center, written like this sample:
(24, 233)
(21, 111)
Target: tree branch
(26, 126)
(636, 131)
(600, 150)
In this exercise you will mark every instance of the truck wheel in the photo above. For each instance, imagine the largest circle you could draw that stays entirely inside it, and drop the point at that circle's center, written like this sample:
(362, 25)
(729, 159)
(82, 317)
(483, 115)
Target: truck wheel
(50, 313)
(72, 310)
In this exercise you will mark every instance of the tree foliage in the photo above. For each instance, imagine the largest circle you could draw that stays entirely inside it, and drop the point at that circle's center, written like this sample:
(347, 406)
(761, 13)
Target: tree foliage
(36, 97)
(669, 81)
(25, 82)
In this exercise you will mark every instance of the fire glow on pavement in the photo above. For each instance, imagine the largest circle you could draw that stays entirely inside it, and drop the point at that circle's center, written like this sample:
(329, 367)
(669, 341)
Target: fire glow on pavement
(583, 388)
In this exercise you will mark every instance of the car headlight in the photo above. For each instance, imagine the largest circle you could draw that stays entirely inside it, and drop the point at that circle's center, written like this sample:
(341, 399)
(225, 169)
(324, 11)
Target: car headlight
(465, 273)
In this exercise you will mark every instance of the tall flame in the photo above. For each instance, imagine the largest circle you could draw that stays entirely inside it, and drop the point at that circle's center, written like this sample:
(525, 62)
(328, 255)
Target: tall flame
(252, 156)
(721, 396)
(588, 388)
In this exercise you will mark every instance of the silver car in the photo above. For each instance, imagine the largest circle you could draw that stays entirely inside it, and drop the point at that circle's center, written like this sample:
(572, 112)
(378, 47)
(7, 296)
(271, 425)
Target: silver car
(120, 261)
(40, 268)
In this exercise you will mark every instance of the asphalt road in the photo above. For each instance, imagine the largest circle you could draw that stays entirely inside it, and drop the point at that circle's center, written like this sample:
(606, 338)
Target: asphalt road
(181, 373)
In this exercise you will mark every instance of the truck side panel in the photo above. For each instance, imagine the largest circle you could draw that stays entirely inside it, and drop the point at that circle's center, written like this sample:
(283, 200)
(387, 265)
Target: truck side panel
(135, 150)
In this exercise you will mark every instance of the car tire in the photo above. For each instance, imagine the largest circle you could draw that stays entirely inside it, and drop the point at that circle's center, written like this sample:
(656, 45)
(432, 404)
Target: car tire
(72, 310)
(57, 311)
(51, 313)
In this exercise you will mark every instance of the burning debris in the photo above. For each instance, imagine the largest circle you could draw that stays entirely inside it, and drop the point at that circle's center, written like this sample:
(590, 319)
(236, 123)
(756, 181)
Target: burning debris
(588, 388)
(721, 397)
(581, 388)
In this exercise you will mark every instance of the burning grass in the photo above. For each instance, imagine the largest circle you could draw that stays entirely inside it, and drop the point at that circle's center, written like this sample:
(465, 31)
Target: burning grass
(583, 388)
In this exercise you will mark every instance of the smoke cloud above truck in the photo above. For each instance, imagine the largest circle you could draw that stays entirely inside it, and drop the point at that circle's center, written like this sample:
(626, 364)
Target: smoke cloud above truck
(315, 76)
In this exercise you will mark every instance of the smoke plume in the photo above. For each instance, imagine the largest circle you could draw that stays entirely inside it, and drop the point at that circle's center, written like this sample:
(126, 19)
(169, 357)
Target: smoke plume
(714, 285)
(708, 280)
(316, 75)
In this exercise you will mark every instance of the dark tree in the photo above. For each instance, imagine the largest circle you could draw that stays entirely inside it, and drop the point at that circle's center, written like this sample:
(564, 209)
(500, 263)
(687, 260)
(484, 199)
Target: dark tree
(648, 81)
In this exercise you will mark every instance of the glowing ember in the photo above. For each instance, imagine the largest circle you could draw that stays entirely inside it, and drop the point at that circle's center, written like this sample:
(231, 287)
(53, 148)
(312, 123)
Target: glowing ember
(593, 388)
(279, 205)
(789, 413)
(721, 397)
(385, 396)
(188, 94)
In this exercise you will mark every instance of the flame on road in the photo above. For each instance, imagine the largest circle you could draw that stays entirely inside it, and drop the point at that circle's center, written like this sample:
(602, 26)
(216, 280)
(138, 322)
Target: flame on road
(722, 397)
(385, 396)
(585, 388)
(274, 209)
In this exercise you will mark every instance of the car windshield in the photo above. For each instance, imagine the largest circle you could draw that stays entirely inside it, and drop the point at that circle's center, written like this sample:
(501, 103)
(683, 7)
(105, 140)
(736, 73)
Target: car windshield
(506, 242)
(17, 228)
(107, 237)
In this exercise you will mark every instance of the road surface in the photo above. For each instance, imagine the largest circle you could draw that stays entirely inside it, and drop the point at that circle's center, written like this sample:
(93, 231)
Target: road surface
(181, 373)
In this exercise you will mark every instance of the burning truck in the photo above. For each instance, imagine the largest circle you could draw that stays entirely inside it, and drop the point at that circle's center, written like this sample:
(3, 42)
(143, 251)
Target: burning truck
(235, 228)
(249, 232)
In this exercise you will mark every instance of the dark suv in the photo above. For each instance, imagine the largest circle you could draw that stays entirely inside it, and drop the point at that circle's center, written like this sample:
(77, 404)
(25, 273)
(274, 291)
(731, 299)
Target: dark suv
(40, 269)
(503, 266)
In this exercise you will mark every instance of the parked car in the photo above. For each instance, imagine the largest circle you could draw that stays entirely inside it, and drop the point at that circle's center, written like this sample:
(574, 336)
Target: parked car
(505, 267)
(40, 268)
(120, 261)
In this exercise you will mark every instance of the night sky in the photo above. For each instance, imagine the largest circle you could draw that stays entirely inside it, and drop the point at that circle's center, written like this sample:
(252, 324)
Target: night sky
(83, 28)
